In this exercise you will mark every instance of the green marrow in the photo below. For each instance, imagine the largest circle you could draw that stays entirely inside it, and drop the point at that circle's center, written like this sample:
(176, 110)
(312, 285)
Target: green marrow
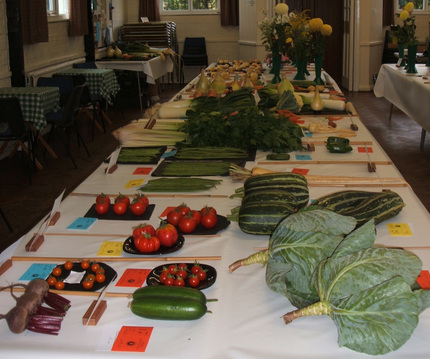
(343, 200)
(168, 308)
(261, 218)
(170, 292)
(273, 179)
(299, 190)
(269, 194)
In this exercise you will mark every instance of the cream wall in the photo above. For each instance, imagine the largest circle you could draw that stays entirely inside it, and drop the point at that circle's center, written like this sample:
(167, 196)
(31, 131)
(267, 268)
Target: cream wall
(4, 47)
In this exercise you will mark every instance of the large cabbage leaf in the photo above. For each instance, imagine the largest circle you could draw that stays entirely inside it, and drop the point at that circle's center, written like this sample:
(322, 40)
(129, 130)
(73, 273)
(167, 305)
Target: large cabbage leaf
(297, 245)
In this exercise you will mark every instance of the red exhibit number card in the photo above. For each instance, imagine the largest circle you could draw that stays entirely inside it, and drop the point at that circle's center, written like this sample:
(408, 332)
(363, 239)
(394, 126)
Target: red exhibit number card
(142, 171)
(133, 278)
(301, 171)
(424, 279)
(167, 210)
(132, 339)
(363, 149)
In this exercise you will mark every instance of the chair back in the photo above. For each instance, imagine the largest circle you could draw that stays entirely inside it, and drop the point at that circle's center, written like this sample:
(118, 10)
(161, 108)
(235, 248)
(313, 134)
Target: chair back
(85, 65)
(73, 106)
(12, 122)
(194, 52)
(64, 83)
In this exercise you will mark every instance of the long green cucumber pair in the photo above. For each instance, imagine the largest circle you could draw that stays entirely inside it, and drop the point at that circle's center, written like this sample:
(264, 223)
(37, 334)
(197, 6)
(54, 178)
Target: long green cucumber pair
(169, 303)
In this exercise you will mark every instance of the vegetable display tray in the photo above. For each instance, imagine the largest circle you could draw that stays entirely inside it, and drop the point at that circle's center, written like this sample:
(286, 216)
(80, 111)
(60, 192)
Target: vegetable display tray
(130, 248)
(127, 216)
(222, 223)
(185, 168)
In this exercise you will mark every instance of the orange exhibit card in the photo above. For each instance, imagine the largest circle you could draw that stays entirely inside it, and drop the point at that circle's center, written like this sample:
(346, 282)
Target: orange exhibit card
(142, 171)
(301, 171)
(133, 278)
(132, 339)
(424, 279)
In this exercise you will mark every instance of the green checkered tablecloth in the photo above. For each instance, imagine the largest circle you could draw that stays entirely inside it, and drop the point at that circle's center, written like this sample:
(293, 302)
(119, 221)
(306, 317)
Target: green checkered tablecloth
(101, 82)
(35, 102)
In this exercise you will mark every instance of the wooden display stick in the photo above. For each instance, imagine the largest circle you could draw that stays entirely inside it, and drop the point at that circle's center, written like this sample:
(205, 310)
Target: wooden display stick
(96, 313)
(34, 243)
(54, 218)
(371, 167)
(5, 266)
(310, 147)
(111, 169)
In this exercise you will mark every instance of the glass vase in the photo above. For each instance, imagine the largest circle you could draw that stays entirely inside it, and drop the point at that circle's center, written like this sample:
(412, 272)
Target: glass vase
(412, 59)
(276, 67)
(318, 69)
(301, 65)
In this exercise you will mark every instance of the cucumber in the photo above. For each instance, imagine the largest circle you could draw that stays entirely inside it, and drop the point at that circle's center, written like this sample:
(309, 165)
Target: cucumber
(168, 308)
(261, 218)
(343, 200)
(272, 195)
(380, 207)
(170, 292)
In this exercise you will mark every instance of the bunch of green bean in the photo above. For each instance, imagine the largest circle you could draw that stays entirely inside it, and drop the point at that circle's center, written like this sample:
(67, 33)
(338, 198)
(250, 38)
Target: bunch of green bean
(179, 185)
(201, 153)
(195, 168)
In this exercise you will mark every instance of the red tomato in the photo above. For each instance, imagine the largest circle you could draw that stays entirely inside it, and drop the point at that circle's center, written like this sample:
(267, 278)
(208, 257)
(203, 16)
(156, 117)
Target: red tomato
(87, 284)
(143, 244)
(85, 265)
(137, 208)
(143, 228)
(100, 278)
(196, 268)
(68, 265)
(187, 224)
(156, 243)
(179, 282)
(207, 209)
(102, 198)
(201, 275)
(170, 280)
(209, 220)
(120, 208)
(197, 216)
(142, 198)
(183, 208)
(102, 208)
(174, 216)
(56, 271)
(123, 199)
(59, 285)
(52, 281)
(172, 268)
(163, 277)
(182, 266)
(193, 281)
(95, 267)
(167, 234)
(181, 273)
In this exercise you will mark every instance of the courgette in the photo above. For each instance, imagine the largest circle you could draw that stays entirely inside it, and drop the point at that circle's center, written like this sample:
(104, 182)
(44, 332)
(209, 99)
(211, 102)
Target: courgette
(170, 292)
(168, 308)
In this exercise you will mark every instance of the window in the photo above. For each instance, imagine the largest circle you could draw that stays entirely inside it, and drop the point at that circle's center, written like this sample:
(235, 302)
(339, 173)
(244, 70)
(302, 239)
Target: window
(188, 6)
(57, 7)
(419, 5)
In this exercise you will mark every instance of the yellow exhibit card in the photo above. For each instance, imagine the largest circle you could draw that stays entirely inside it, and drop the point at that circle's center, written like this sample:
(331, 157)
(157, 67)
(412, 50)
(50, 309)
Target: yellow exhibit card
(134, 183)
(399, 230)
(111, 249)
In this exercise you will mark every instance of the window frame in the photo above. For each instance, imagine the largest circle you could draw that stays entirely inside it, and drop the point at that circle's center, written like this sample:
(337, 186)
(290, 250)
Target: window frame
(190, 11)
(425, 10)
(59, 11)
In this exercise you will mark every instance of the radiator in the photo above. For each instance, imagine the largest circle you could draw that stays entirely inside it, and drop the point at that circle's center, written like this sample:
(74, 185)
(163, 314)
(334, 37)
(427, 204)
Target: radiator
(32, 76)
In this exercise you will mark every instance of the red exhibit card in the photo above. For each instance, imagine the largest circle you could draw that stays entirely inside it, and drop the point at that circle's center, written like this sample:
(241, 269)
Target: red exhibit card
(132, 339)
(142, 171)
(133, 278)
(363, 149)
(424, 279)
(167, 210)
(301, 171)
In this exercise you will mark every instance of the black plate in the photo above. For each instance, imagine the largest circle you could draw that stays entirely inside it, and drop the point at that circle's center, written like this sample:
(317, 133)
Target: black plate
(127, 216)
(152, 279)
(222, 223)
(110, 275)
(130, 248)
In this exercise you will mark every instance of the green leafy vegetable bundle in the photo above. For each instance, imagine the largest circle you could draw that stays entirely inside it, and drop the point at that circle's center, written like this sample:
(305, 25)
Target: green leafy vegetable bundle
(246, 128)
(325, 269)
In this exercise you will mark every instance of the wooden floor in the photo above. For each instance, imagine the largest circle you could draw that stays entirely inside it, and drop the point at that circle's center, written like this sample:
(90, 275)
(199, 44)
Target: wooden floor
(25, 205)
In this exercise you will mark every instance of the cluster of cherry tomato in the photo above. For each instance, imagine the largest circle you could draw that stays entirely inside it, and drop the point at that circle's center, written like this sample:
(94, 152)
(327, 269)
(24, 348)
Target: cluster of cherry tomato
(121, 203)
(148, 239)
(187, 219)
(97, 274)
(179, 275)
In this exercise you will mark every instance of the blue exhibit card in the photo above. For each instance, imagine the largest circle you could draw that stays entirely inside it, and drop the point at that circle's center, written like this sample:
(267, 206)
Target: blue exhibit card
(169, 154)
(38, 270)
(82, 223)
(303, 158)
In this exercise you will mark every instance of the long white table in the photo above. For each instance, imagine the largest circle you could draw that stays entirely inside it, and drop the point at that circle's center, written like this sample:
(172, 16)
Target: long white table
(408, 92)
(245, 322)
